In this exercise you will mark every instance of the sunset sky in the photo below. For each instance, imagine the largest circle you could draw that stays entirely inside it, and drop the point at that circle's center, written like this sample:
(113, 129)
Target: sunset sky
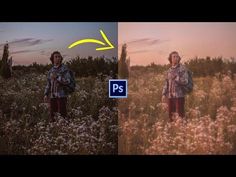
(152, 42)
(146, 42)
(34, 42)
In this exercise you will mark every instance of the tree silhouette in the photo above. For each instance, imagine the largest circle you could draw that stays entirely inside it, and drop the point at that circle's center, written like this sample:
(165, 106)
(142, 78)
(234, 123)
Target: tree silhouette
(6, 63)
(122, 65)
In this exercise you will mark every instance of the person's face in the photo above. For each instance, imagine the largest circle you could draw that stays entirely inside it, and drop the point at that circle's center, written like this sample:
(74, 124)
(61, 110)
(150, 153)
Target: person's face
(57, 59)
(175, 58)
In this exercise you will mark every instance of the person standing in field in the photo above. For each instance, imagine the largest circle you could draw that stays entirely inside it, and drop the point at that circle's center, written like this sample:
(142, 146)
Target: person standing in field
(60, 83)
(177, 84)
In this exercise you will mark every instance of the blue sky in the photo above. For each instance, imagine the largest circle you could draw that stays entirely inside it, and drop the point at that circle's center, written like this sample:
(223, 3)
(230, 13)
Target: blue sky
(34, 42)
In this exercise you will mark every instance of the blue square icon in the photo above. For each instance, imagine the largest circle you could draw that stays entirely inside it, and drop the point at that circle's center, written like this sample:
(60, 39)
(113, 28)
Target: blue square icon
(118, 88)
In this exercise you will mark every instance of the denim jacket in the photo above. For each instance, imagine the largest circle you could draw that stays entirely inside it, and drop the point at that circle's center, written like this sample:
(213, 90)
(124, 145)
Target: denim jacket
(57, 79)
(176, 77)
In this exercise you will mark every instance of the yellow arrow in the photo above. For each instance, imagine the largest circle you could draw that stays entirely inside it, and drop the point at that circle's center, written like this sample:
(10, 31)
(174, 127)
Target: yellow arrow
(110, 46)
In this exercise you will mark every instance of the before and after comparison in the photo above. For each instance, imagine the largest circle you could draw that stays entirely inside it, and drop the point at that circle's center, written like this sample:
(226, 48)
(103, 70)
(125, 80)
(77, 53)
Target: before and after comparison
(117, 88)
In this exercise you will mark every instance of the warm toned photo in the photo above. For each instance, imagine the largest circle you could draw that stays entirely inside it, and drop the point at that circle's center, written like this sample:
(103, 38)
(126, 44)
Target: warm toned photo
(181, 88)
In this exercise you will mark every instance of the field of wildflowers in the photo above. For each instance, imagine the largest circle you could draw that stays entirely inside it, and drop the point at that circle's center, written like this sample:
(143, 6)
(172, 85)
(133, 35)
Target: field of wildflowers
(209, 127)
(90, 128)
(91, 125)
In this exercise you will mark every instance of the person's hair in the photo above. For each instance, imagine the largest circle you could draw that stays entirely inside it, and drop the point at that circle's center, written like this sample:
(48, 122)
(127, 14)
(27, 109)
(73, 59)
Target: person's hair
(52, 56)
(170, 55)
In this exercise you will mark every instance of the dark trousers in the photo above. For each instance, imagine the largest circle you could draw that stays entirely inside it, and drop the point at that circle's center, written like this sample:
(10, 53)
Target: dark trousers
(58, 105)
(176, 105)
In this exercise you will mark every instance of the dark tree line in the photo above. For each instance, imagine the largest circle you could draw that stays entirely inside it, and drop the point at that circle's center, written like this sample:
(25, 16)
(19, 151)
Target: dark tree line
(82, 67)
(200, 67)
(210, 66)
(90, 66)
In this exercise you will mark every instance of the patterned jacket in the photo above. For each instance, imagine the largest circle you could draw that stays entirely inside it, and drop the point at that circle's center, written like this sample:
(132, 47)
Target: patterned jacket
(57, 79)
(176, 77)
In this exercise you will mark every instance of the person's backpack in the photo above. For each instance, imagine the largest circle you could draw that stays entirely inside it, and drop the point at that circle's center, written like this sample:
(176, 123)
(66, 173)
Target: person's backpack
(189, 87)
(71, 87)
(72, 84)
